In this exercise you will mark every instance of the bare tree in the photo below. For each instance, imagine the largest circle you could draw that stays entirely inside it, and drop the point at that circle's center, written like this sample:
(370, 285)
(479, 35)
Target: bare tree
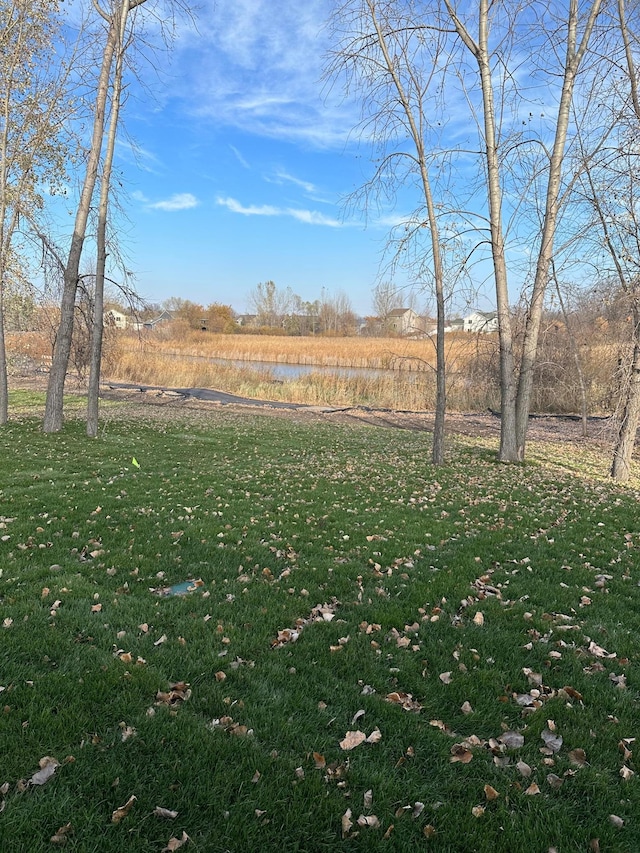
(610, 187)
(118, 17)
(386, 298)
(53, 415)
(271, 303)
(115, 14)
(33, 109)
(383, 53)
(573, 34)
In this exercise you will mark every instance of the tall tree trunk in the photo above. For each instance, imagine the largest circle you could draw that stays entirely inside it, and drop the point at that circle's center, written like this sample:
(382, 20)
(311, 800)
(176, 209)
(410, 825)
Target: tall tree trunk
(508, 389)
(628, 427)
(437, 452)
(4, 378)
(53, 415)
(97, 326)
(573, 59)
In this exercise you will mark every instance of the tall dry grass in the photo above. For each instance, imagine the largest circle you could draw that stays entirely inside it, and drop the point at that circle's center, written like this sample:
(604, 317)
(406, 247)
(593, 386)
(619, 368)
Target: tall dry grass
(160, 358)
(391, 391)
(376, 353)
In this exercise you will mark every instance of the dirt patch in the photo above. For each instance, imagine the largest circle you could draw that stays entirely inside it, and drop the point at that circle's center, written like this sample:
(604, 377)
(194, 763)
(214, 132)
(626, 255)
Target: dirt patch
(478, 424)
(473, 424)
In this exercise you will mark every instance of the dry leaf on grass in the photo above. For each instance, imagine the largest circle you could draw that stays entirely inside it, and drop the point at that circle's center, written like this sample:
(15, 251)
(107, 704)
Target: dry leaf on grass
(554, 781)
(319, 761)
(405, 700)
(61, 834)
(169, 814)
(48, 767)
(123, 811)
(352, 739)
(460, 753)
(512, 740)
(578, 757)
(491, 793)
(176, 843)
(551, 740)
(369, 820)
(347, 823)
(178, 692)
(524, 769)
(532, 790)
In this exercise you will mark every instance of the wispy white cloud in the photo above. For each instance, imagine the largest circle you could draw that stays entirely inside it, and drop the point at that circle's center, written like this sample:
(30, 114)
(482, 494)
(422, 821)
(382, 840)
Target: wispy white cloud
(259, 70)
(310, 217)
(253, 209)
(178, 201)
(239, 157)
(281, 176)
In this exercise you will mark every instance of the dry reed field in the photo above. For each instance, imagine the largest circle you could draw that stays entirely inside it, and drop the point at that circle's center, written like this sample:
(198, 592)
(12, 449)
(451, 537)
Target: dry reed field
(375, 353)
(388, 373)
(408, 382)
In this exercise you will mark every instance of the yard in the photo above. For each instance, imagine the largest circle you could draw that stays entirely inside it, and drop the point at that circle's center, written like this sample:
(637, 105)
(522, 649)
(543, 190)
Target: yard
(364, 652)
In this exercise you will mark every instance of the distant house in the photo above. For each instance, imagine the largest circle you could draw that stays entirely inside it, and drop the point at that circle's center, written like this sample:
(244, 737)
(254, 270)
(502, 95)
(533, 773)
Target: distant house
(403, 321)
(164, 317)
(481, 321)
(115, 319)
(247, 319)
(455, 325)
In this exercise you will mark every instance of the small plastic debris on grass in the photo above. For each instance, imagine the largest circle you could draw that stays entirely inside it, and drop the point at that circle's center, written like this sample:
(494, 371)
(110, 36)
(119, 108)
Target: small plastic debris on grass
(184, 588)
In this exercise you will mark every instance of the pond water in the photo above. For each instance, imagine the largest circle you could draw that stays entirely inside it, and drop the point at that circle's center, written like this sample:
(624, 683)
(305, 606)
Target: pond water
(278, 370)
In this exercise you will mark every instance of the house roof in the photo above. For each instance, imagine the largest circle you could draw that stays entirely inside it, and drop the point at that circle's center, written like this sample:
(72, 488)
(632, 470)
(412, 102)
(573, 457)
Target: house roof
(399, 312)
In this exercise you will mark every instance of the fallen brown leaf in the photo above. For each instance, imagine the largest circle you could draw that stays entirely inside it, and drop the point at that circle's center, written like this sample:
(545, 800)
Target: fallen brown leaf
(460, 753)
(551, 740)
(369, 820)
(578, 757)
(48, 766)
(61, 834)
(524, 769)
(176, 843)
(124, 810)
(347, 823)
(512, 740)
(352, 739)
(169, 814)
(405, 700)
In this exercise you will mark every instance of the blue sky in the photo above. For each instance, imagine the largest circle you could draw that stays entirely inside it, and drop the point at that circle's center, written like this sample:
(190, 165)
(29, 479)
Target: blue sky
(237, 164)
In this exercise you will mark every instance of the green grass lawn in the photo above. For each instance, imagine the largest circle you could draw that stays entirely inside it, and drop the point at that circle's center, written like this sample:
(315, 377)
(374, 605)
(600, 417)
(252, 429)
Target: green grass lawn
(478, 623)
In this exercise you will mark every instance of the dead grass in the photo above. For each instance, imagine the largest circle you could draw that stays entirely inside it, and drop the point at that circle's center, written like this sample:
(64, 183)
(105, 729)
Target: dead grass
(376, 353)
